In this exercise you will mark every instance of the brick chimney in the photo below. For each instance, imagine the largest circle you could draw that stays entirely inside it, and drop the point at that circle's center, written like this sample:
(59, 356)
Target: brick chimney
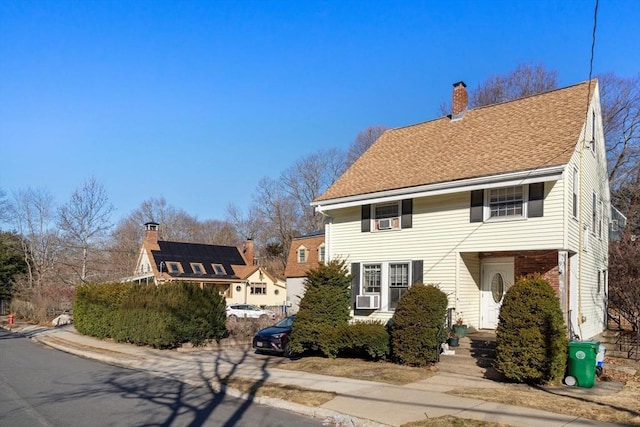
(247, 252)
(151, 235)
(460, 100)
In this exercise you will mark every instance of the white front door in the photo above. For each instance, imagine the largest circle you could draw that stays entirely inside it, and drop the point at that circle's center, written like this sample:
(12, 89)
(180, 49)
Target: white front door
(497, 277)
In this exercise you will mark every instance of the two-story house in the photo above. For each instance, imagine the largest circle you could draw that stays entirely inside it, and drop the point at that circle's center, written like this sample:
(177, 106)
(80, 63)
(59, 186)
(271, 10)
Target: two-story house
(229, 269)
(473, 200)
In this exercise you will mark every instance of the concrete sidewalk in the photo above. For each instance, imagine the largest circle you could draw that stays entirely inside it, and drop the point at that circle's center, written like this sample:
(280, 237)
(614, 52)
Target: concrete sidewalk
(358, 403)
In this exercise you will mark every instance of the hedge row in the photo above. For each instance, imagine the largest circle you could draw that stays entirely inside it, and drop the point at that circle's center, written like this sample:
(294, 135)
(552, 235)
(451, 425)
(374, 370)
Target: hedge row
(158, 316)
(368, 340)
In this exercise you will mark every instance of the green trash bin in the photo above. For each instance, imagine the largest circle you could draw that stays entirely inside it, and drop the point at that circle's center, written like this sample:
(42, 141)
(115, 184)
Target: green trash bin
(582, 363)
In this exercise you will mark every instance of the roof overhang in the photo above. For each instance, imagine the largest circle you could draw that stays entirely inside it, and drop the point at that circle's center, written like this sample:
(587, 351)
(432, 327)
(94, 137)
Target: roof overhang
(552, 173)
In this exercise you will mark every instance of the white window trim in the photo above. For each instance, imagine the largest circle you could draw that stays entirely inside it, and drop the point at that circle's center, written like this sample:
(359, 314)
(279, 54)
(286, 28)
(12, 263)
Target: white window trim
(525, 206)
(322, 248)
(395, 222)
(300, 250)
(384, 280)
(594, 212)
(575, 195)
(258, 285)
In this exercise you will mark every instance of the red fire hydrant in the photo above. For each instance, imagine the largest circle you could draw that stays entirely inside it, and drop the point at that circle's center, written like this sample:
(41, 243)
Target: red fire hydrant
(10, 317)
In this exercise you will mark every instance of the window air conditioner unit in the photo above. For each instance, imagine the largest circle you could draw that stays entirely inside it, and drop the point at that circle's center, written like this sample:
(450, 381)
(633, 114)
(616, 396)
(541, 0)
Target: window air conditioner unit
(385, 224)
(368, 302)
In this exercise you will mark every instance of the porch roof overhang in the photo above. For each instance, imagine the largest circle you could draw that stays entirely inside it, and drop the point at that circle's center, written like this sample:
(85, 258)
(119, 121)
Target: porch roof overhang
(552, 173)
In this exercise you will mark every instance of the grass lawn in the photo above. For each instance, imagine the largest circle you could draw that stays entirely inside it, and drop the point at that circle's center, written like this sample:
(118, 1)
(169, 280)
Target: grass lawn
(622, 407)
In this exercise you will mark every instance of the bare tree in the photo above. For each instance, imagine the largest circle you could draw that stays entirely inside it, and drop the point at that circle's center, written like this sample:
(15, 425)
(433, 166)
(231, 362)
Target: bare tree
(306, 180)
(84, 220)
(218, 233)
(4, 207)
(33, 213)
(620, 98)
(525, 80)
(247, 225)
(624, 278)
(280, 215)
(364, 139)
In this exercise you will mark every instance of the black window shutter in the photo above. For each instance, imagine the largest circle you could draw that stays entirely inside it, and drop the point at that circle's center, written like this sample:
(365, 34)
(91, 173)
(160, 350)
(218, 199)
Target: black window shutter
(477, 206)
(536, 200)
(407, 213)
(365, 223)
(355, 282)
(416, 271)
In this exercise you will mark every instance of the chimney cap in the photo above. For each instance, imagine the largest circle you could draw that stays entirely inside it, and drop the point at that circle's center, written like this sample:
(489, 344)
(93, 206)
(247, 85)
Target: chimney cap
(460, 83)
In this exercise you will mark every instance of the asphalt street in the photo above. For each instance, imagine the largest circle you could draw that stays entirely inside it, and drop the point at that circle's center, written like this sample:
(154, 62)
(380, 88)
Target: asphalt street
(40, 386)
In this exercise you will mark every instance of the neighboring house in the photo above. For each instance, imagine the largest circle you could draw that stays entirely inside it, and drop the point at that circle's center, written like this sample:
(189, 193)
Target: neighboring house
(227, 268)
(474, 200)
(305, 253)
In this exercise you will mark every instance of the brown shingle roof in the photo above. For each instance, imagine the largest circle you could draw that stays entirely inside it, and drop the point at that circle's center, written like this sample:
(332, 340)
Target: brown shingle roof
(311, 243)
(529, 133)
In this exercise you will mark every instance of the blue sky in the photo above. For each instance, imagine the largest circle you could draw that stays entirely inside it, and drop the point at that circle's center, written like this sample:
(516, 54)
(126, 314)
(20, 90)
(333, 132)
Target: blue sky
(196, 101)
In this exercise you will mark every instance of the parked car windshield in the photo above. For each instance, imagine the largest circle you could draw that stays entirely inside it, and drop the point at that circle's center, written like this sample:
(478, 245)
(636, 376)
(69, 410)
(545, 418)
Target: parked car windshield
(286, 322)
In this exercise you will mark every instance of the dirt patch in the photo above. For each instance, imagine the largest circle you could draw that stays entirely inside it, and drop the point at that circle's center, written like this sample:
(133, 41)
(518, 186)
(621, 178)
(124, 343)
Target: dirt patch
(619, 407)
(450, 421)
(384, 372)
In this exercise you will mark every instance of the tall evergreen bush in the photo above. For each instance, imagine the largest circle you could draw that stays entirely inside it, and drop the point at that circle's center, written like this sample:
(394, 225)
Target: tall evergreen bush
(418, 324)
(95, 307)
(325, 306)
(159, 316)
(531, 345)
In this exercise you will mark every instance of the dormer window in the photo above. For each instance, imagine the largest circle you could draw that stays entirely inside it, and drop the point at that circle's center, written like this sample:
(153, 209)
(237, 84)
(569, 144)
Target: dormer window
(174, 267)
(219, 269)
(197, 268)
(302, 254)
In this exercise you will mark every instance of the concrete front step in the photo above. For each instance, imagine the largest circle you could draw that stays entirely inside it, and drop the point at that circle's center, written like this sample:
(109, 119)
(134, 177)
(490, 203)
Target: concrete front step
(474, 356)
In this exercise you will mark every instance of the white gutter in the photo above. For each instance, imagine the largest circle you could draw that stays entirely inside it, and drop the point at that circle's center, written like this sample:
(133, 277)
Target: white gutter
(553, 173)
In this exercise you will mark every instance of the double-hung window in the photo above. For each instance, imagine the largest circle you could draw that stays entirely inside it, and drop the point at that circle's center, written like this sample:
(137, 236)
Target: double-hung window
(398, 283)
(321, 253)
(574, 200)
(594, 212)
(382, 284)
(386, 216)
(302, 254)
(506, 202)
(371, 278)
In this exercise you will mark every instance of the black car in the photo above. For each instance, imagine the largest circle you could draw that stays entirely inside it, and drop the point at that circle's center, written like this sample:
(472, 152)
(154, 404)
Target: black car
(275, 338)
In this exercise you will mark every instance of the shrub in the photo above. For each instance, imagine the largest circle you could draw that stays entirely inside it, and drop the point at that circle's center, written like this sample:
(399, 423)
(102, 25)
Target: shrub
(169, 315)
(95, 307)
(418, 325)
(325, 306)
(366, 340)
(531, 340)
(160, 316)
